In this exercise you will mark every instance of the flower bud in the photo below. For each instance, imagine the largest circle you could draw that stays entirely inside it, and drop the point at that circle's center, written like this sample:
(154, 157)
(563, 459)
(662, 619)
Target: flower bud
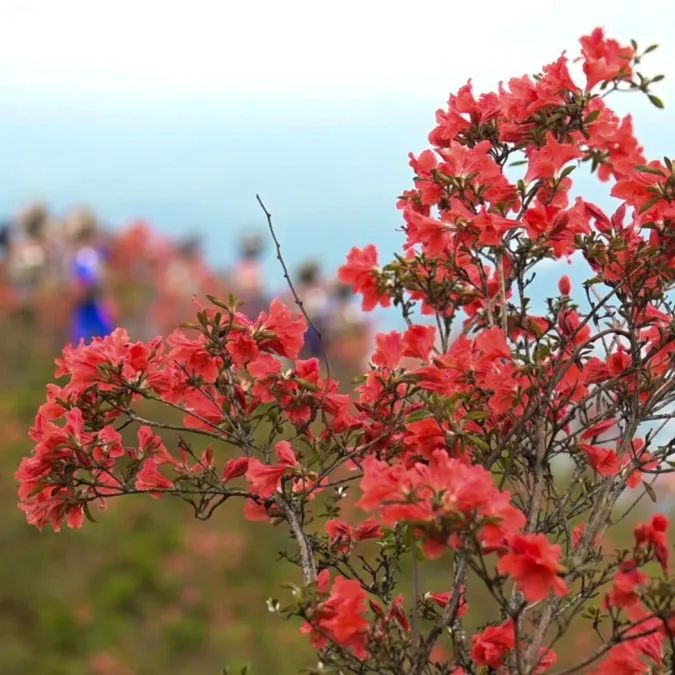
(565, 285)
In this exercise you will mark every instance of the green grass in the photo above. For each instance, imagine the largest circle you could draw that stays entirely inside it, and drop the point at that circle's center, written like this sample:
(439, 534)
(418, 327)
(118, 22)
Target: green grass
(147, 588)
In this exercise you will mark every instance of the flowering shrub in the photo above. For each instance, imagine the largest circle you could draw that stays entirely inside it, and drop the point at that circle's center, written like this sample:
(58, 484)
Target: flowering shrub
(495, 440)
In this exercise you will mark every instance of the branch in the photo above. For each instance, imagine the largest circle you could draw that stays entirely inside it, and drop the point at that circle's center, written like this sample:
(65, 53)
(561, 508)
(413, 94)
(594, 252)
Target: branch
(306, 557)
(287, 276)
(449, 616)
(537, 496)
(618, 639)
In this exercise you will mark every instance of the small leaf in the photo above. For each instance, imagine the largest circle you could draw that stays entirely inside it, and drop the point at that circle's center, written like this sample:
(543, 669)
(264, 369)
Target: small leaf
(213, 299)
(650, 491)
(418, 415)
(656, 101)
(591, 117)
(651, 48)
(477, 415)
(87, 513)
(649, 169)
(649, 204)
(477, 440)
(566, 172)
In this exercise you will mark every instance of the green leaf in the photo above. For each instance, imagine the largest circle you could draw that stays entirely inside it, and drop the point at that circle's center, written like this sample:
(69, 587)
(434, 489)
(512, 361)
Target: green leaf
(649, 169)
(655, 100)
(650, 491)
(591, 117)
(650, 203)
(87, 513)
(566, 172)
(419, 415)
(213, 299)
(477, 415)
(477, 440)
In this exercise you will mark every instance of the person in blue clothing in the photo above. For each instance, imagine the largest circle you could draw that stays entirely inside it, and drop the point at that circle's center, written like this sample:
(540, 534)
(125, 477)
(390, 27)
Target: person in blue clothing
(91, 316)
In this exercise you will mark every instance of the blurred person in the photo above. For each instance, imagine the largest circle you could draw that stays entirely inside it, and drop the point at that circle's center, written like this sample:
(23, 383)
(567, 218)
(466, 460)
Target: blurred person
(36, 262)
(139, 255)
(312, 292)
(91, 313)
(185, 276)
(248, 277)
(26, 249)
(348, 334)
(5, 240)
(8, 298)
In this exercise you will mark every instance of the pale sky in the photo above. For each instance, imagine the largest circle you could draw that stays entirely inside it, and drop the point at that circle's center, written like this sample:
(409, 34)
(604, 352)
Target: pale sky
(179, 112)
(348, 50)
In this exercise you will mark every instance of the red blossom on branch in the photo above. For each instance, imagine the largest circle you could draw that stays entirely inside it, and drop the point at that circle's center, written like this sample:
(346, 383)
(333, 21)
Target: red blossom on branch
(493, 438)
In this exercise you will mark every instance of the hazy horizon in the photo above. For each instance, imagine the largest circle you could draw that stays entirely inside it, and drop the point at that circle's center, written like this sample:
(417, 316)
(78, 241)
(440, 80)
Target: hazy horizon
(177, 114)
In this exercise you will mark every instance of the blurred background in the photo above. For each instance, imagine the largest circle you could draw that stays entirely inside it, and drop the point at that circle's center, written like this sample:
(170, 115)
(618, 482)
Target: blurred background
(134, 137)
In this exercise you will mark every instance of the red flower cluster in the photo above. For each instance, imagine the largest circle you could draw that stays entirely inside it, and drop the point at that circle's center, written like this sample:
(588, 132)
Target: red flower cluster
(654, 535)
(502, 443)
(605, 59)
(340, 617)
(79, 454)
(534, 563)
(491, 647)
(443, 497)
(344, 537)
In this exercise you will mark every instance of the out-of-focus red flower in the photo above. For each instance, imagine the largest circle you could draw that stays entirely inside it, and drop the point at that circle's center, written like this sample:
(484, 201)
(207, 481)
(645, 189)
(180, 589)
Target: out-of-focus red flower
(534, 563)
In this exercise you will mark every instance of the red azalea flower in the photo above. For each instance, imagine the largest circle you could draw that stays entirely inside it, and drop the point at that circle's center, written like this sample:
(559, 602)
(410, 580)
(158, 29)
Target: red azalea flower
(533, 562)
(493, 645)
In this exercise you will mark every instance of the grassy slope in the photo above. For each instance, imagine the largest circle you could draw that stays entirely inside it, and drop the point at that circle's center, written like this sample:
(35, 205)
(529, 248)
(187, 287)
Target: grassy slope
(148, 589)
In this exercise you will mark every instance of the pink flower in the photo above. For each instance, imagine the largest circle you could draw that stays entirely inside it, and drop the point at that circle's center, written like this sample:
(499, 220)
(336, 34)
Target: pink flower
(150, 479)
(654, 534)
(389, 350)
(493, 645)
(418, 341)
(265, 479)
(362, 273)
(234, 468)
(546, 162)
(281, 332)
(341, 618)
(534, 563)
(604, 59)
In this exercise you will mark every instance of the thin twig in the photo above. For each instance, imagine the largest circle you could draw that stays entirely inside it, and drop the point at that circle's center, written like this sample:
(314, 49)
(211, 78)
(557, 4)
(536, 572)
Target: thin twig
(287, 276)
